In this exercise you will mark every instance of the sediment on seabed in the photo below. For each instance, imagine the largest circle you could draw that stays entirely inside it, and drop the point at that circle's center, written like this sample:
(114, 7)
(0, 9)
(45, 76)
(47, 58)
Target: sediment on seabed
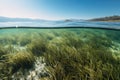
(59, 54)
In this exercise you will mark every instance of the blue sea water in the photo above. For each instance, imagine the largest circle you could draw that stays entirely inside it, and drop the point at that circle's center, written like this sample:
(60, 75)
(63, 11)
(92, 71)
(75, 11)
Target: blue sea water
(63, 23)
(33, 51)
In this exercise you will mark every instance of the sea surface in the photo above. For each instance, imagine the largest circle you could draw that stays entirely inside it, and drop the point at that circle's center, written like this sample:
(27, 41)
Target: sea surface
(63, 23)
(60, 50)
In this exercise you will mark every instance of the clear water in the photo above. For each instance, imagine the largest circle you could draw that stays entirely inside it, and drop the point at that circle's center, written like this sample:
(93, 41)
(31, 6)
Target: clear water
(60, 53)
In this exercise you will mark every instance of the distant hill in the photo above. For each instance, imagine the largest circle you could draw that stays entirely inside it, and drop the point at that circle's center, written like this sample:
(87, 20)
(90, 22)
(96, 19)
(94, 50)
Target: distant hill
(109, 18)
(7, 19)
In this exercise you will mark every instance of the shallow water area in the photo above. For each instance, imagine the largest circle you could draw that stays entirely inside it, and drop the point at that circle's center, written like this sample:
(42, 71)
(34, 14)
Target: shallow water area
(59, 54)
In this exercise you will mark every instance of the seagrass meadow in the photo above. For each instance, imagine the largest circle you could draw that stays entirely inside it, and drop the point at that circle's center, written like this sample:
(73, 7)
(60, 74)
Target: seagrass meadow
(59, 54)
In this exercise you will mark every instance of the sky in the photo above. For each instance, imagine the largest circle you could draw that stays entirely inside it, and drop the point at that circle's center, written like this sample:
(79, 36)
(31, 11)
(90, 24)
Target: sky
(59, 9)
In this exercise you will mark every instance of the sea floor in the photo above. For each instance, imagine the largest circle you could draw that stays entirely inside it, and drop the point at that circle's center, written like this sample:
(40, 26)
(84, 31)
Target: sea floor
(59, 54)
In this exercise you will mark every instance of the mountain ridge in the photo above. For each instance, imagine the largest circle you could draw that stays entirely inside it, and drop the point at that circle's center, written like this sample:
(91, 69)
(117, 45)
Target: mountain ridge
(107, 18)
(7, 19)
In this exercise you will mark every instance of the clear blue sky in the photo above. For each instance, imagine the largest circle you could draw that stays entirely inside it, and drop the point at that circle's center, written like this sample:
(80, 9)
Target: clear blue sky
(59, 9)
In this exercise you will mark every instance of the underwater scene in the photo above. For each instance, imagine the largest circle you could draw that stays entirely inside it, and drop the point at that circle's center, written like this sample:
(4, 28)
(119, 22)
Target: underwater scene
(59, 54)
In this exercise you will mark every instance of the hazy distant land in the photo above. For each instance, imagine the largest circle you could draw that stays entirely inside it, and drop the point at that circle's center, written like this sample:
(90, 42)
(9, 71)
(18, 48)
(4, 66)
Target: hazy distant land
(108, 18)
(114, 18)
